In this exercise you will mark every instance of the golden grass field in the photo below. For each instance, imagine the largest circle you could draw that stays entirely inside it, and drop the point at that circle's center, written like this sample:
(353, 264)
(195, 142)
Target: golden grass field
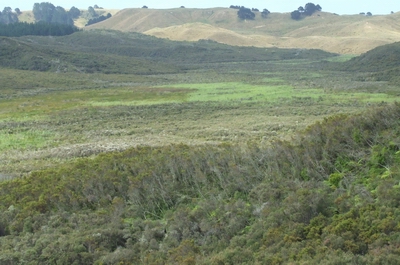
(346, 34)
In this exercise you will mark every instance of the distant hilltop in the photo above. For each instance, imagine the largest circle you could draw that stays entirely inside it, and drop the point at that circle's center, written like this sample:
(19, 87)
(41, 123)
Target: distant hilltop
(241, 26)
(348, 34)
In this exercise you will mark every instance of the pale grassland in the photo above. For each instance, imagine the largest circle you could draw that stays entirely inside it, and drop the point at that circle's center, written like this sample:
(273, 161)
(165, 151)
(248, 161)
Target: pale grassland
(348, 34)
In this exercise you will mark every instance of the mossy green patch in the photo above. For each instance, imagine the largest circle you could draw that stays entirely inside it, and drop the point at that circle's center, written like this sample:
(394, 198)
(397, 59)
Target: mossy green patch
(138, 96)
(236, 91)
(24, 140)
(40, 105)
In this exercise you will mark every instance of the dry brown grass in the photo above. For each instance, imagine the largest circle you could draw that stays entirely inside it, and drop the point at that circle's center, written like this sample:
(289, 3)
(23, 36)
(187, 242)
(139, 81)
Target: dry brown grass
(27, 16)
(349, 34)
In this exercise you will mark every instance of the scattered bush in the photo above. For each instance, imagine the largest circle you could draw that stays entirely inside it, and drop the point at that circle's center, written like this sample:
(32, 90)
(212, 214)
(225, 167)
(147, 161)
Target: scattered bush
(98, 19)
(245, 13)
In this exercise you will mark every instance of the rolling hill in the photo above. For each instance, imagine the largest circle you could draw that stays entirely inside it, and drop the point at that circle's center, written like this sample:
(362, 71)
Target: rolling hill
(28, 54)
(349, 34)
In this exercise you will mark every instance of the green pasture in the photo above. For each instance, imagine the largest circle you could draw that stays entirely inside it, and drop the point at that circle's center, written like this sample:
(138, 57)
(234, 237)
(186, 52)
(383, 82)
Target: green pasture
(41, 104)
(21, 140)
(235, 91)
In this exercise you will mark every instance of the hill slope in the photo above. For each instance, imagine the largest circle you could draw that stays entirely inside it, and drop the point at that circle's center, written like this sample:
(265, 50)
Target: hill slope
(353, 34)
(330, 197)
(133, 51)
(382, 63)
(28, 54)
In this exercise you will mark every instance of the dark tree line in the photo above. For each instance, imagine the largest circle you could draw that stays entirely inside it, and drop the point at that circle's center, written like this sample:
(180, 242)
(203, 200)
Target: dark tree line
(307, 10)
(49, 13)
(247, 13)
(8, 16)
(265, 13)
(98, 19)
(39, 29)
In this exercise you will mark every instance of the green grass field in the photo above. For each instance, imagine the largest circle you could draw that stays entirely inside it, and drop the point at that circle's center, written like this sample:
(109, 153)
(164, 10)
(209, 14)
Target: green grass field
(53, 123)
(233, 94)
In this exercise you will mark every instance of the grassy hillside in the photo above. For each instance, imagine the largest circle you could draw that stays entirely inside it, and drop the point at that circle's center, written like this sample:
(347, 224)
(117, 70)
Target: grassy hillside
(382, 58)
(350, 34)
(135, 45)
(380, 64)
(26, 54)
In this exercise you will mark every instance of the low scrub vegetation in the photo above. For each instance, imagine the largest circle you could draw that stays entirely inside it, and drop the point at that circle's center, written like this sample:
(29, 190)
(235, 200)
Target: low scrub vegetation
(37, 29)
(119, 148)
(330, 195)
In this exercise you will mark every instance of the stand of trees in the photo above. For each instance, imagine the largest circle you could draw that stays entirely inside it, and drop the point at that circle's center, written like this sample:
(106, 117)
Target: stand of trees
(39, 29)
(245, 13)
(265, 13)
(7, 16)
(49, 13)
(307, 10)
(98, 19)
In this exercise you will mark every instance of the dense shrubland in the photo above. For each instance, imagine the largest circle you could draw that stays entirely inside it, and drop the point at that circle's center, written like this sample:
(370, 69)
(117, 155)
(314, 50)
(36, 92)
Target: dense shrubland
(330, 195)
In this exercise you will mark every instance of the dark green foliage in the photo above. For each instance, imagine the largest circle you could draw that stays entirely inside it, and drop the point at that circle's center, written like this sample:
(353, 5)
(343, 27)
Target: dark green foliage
(98, 19)
(296, 15)
(47, 12)
(7, 16)
(245, 13)
(234, 7)
(43, 11)
(92, 12)
(74, 12)
(307, 10)
(265, 13)
(311, 8)
(331, 196)
(37, 29)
